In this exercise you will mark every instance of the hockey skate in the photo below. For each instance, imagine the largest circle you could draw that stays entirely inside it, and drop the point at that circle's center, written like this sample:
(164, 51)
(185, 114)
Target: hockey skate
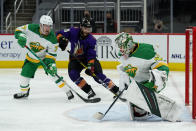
(69, 95)
(21, 95)
(116, 93)
(92, 95)
(137, 113)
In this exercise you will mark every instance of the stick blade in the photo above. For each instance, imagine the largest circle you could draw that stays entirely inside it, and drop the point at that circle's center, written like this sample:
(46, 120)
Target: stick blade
(98, 116)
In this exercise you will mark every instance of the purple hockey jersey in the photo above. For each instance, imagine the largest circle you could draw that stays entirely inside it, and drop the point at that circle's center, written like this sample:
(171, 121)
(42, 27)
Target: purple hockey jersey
(81, 48)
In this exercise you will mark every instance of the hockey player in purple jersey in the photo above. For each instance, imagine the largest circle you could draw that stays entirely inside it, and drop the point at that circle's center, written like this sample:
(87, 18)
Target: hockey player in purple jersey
(83, 50)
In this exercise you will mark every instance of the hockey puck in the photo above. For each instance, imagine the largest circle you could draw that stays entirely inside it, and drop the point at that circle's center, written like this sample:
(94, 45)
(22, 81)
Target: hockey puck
(98, 115)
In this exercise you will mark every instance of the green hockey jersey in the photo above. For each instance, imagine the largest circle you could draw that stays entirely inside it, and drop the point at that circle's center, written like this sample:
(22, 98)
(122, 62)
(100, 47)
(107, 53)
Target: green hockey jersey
(143, 59)
(43, 46)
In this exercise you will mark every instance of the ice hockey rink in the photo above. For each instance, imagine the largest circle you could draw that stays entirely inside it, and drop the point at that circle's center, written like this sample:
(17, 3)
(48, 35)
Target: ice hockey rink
(47, 108)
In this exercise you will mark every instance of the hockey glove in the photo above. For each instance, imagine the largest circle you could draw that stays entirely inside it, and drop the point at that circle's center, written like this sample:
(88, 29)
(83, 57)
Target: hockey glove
(159, 78)
(155, 74)
(52, 70)
(22, 39)
(63, 42)
(130, 70)
(91, 65)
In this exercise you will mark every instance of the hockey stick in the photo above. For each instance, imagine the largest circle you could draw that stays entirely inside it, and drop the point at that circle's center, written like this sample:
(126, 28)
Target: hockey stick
(46, 67)
(93, 74)
(100, 115)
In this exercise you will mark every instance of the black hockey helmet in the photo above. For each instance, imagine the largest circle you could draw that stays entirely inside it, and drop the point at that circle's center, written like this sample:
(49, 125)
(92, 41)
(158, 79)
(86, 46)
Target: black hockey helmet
(85, 22)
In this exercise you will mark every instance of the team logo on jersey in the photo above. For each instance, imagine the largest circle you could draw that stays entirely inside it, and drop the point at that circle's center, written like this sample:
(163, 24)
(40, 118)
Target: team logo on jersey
(130, 70)
(36, 46)
(78, 50)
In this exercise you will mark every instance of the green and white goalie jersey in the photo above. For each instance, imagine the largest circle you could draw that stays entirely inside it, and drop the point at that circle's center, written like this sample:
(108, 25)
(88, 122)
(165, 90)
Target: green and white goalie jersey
(138, 64)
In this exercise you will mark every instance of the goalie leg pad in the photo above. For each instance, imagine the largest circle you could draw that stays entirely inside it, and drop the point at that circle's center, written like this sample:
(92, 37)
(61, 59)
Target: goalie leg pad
(131, 110)
(168, 108)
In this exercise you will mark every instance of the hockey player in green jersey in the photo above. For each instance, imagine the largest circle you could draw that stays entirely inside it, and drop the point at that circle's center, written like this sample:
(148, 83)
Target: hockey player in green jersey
(145, 74)
(42, 41)
(141, 62)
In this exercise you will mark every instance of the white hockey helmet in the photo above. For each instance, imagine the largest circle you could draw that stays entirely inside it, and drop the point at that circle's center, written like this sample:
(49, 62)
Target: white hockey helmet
(46, 20)
(124, 42)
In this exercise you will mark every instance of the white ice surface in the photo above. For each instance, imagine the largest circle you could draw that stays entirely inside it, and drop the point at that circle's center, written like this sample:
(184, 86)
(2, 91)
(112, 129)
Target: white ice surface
(47, 108)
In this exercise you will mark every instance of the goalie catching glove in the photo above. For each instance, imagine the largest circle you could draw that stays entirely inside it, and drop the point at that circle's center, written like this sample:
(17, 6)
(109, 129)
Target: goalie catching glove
(22, 39)
(63, 42)
(159, 78)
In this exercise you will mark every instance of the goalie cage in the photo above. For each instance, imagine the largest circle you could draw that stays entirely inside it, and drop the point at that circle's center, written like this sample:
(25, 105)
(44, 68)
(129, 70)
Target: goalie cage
(190, 65)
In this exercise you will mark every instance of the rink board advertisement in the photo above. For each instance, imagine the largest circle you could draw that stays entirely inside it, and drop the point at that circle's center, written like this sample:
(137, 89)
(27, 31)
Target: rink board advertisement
(171, 47)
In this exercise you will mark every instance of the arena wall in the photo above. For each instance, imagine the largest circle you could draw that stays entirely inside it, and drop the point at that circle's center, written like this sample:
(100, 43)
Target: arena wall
(171, 47)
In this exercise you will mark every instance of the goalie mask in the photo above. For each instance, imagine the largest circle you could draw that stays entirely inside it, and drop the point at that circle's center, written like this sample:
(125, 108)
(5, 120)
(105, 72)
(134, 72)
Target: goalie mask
(45, 24)
(124, 43)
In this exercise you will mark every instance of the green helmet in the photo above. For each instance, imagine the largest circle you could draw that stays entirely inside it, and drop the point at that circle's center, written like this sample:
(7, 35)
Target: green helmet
(124, 42)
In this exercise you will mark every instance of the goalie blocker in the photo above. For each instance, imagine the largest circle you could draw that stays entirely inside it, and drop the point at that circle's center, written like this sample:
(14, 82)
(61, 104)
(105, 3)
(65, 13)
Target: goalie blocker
(150, 101)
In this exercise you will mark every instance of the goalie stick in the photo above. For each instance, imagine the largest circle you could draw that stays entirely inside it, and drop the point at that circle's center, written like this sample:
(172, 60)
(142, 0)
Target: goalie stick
(94, 75)
(100, 115)
(46, 67)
